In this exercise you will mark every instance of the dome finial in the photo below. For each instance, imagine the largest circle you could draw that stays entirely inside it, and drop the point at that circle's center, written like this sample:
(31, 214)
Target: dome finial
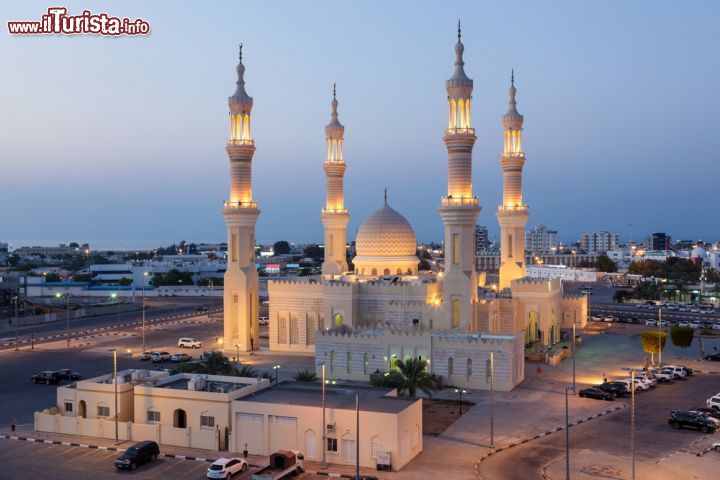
(385, 195)
(241, 52)
(512, 77)
(459, 31)
(334, 89)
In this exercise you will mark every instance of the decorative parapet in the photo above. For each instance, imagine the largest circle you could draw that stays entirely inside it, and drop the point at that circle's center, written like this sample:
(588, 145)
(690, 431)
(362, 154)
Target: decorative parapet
(233, 205)
(512, 208)
(450, 201)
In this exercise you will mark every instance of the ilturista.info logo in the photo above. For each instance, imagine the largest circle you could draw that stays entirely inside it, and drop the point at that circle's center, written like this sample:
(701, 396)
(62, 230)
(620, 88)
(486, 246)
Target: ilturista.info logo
(57, 22)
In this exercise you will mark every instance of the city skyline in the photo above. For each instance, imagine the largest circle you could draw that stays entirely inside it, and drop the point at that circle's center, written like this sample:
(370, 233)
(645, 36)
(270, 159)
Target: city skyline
(142, 164)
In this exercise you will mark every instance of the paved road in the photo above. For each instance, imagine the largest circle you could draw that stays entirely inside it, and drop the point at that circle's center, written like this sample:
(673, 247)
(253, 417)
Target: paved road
(611, 434)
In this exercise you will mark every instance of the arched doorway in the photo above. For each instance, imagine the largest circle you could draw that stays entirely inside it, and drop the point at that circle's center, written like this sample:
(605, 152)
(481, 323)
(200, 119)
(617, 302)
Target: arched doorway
(82, 409)
(179, 418)
(310, 444)
(531, 332)
(338, 320)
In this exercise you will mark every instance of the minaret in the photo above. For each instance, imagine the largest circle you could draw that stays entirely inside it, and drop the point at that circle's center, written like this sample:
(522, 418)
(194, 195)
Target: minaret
(512, 214)
(459, 209)
(334, 216)
(241, 286)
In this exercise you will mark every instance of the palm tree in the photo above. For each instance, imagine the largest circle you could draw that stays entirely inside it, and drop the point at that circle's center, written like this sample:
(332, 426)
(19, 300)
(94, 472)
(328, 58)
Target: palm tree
(413, 375)
(305, 376)
(246, 371)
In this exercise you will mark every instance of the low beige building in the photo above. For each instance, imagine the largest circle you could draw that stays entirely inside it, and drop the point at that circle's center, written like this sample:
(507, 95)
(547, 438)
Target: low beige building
(290, 416)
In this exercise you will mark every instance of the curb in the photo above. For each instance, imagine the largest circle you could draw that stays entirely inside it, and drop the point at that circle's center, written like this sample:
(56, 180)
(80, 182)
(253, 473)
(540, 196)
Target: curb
(476, 467)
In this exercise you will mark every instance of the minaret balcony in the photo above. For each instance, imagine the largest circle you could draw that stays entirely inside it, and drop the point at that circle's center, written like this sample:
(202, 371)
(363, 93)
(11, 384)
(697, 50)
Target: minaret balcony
(460, 131)
(334, 211)
(446, 201)
(512, 208)
(240, 143)
(232, 205)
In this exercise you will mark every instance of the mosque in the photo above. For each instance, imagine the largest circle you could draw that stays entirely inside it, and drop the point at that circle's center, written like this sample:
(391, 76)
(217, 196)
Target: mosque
(363, 320)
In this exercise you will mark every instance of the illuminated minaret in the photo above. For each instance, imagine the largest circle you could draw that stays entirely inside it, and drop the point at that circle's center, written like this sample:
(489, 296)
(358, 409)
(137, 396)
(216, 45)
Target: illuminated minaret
(241, 284)
(334, 216)
(459, 209)
(512, 214)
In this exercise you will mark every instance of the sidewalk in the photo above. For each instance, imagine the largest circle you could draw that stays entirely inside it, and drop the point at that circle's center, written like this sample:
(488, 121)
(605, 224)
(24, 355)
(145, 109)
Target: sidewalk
(197, 454)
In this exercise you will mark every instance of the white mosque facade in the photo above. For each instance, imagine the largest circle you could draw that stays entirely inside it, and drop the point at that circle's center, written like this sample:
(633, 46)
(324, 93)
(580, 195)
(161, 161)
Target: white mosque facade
(362, 321)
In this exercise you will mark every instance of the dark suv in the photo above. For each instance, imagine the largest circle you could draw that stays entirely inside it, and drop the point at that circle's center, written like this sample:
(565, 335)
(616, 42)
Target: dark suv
(619, 389)
(48, 377)
(138, 453)
(697, 421)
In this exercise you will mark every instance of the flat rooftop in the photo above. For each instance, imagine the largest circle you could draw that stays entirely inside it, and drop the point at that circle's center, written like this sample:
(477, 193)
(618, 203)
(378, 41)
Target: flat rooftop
(336, 396)
(205, 383)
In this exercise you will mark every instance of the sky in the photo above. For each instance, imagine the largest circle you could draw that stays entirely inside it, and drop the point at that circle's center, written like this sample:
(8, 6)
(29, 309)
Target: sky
(121, 140)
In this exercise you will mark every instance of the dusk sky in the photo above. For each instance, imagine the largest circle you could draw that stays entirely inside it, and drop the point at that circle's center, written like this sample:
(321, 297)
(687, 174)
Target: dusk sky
(122, 139)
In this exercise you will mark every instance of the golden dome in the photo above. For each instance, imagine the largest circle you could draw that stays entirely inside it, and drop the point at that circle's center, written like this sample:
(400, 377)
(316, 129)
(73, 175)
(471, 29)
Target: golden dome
(386, 243)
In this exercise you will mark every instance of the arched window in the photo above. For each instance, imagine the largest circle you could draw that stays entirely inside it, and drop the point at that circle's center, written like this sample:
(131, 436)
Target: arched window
(338, 320)
(455, 312)
(386, 271)
(399, 271)
(450, 367)
(330, 245)
(374, 271)
(365, 363)
(469, 369)
(348, 362)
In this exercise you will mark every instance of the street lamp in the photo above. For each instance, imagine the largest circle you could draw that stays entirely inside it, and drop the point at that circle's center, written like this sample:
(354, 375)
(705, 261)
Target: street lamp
(632, 421)
(567, 435)
(276, 368)
(324, 425)
(492, 399)
(67, 296)
(145, 274)
(460, 392)
(17, 322)
(114, 350)
(237, 358)
(115, 297)
(210, 287)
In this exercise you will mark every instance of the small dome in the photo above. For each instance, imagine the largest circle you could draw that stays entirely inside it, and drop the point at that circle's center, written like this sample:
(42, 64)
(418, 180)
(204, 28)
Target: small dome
(386, 245)
(385, 233)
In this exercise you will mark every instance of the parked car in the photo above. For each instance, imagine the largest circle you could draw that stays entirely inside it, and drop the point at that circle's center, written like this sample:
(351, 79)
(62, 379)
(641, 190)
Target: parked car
(158, 357)
(661, 376)
(48, 377)
(263, 321)
(649, 378)
(686, 370)
(67, 374)
(713, 356)
(651, 323)
(713, 402)
(619, 389)
(639, 384)
(137, 454)
(145, 356)
(201, 308)
(676, 372)
(686, 419)
(684, 324)
(180, 357)
(189, 343)
(226, 467)
(596, 393)
(609, 318)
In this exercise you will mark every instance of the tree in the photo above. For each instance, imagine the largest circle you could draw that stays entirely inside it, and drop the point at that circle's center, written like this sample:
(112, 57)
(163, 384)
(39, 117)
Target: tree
(172, 278)
(316, 252)
(52, 277)
(205, 282)
(653, 342)
(124, 281)
(305, 376)
(605, 264)
(424, 264)
(281, 247)
(682, 336)
(414, 375)
(247, 371)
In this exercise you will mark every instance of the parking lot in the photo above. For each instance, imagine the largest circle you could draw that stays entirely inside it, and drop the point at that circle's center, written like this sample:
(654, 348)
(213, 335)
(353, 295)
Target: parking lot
(21, 459)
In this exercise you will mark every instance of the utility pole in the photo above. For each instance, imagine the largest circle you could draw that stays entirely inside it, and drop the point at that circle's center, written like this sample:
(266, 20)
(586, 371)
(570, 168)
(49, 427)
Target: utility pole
(17, 321)
(573, 354)
(117, 438)
(567, 436)
(324, 425)
(632, 422)
(357, 435)
(492, 399)
(659, 335)
(143, 310)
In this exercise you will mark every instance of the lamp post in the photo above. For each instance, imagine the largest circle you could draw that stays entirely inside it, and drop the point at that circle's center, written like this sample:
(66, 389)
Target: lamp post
(357, 435)
(42, 285)
(17, 321)
(114, 350)
(659, 337)
(492, 399)
(276, 368)
(324, 425)
(115, 297)
(210, 288)
(145, 274)
(237, 358)
(567, 435)
(573, 356)
(67, 296)
(460, 392)
(632, 422)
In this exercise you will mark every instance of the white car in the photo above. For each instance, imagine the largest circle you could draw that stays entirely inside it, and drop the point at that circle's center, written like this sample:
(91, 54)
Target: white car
(640, 383)
(651, 323)
(716, 326)
(158, 357)
(713, 402)
(694, 325)
(661, 376)
(676, 370)
(226, 467)
(649, 378)
(716, 446)
(684, 324)
(189, 343)
(263, 321)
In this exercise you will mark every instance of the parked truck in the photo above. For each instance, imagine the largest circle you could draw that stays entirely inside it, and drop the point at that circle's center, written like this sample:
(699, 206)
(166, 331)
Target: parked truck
(282, 464)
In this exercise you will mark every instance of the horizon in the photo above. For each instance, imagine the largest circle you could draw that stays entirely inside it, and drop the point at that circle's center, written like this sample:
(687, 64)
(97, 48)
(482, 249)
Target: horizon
(125, 141)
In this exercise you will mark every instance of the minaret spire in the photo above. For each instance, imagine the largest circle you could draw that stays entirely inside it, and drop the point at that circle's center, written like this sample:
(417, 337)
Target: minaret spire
(334, 216)
(459, 31)
(241, 213)
(512, 214)
(385, 195)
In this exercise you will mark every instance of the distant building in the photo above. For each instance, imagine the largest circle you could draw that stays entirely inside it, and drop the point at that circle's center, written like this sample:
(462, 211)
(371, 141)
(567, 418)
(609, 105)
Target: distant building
(3, 247)
(541, 239)
(658, 241)
(482, 243)
(599, 242)
(58, 251)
